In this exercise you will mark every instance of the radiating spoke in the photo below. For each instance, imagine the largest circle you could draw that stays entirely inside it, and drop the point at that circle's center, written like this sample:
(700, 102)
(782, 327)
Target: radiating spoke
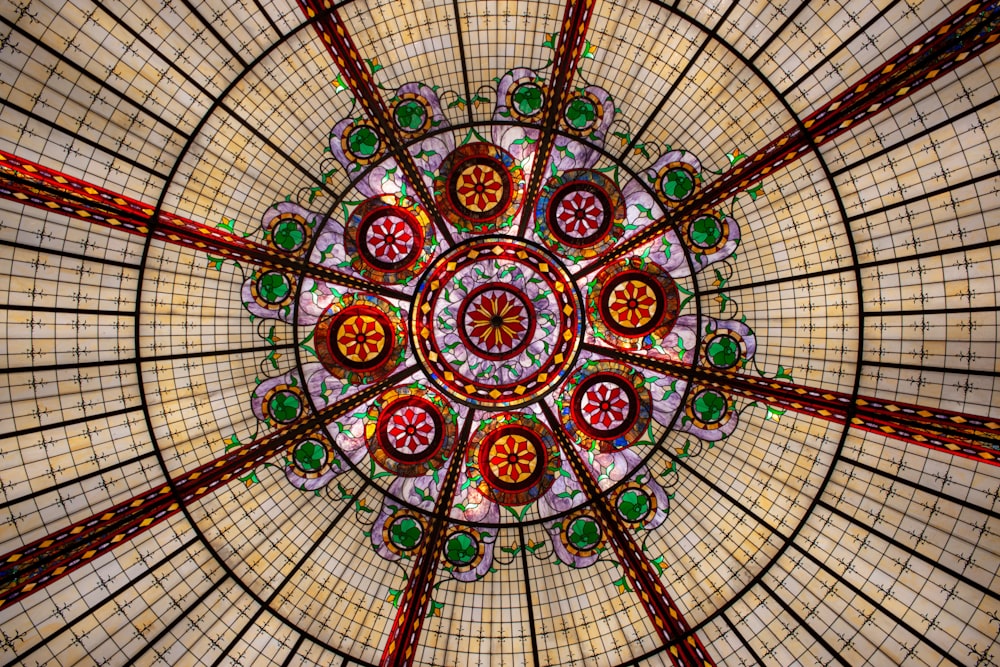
(683, 646)
(404, 636)
(358, 79)
(963, 434)
(963, 35)
(565, 61)
(35, 185)
(46, 560)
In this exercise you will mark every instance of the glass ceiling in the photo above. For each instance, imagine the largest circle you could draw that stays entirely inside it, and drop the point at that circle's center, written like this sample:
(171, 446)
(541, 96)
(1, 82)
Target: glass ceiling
(499, 333)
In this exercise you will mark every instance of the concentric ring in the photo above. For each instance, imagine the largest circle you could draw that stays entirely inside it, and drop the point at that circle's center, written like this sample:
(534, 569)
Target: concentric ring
(410, 432)
(513, 456)
(476, 361)
(359, 338)
(479, 188)
(633, 304)
(497, 321)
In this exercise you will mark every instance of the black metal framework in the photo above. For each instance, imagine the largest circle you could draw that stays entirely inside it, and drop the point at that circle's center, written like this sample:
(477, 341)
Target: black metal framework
(141, 359)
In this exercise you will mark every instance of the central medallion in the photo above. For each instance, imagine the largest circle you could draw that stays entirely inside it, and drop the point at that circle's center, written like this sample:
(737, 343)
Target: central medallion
(496, 322)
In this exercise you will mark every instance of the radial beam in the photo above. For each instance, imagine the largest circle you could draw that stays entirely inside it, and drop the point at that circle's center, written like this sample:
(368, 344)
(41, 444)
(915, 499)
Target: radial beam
(355, 75)
(404, 636)
(33, 184)
(962, 434)
(46, 560)
(963, 35)
(683, 645)
(568, 50)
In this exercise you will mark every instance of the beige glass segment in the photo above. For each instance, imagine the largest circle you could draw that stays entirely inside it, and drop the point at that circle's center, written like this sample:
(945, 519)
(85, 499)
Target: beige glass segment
(870, 265)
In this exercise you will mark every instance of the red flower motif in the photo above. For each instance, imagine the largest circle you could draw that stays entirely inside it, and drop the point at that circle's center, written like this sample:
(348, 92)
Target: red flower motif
(496, 321)
(479, 188)
(512, 458)
(360, 338)
(411, 429)
(390, 238)
(580, 214)
(606, 406)
(632, 304)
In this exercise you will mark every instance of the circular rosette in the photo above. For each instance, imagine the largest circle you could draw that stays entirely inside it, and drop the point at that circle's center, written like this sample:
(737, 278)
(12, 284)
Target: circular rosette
(708, 409)
(360, 338)
(314, 460)
(582, 114)
(410, 432)
(580, 214)
(288, 231)
(403, 532)
(273, 289)
(361, 143)
(411, 113)
(312, 457)
(635, 504)
(496, 322)
(676, 182)
(605, 404)
(633, 304)
(513, 457)
(724, 348)
(479, 188)
(705, 234)
(387, 241)
(581, 535)
(525, 98)
(283, 404)
(464, 549)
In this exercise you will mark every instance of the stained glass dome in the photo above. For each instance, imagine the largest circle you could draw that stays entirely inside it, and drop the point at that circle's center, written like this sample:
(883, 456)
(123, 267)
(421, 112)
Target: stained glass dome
(499, 333)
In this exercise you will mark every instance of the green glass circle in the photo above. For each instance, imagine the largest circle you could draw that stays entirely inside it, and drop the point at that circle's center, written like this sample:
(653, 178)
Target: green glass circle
(410, 115)
(709, 406)
(273, 287)
(705, 232)
(527, 99)
(634, 505)
(362, 141)
(405, 533)
(461, 549)
(285, 406)
(584, 533)
(289, 235)
(677, 184)
(723, 351)
(581, 112)
(309, 455)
